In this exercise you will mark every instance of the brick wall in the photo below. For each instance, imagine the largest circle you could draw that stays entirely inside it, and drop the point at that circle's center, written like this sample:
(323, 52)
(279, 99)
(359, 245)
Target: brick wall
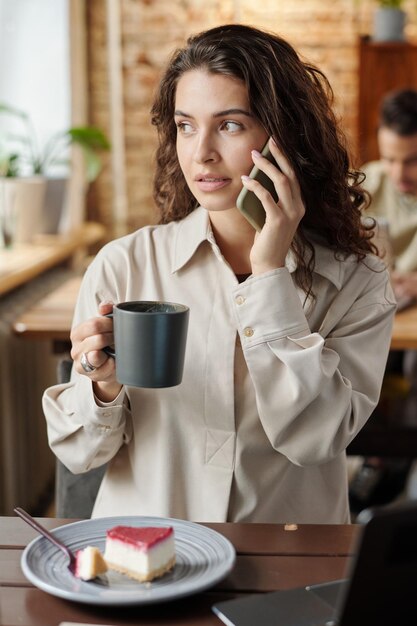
(325, 32)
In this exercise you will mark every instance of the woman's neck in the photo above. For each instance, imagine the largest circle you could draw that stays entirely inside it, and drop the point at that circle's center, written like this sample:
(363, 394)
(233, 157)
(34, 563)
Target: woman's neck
(234, 236)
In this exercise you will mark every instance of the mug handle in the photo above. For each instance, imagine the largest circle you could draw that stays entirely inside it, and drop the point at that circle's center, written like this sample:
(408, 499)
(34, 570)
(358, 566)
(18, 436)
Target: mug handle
(108, 349)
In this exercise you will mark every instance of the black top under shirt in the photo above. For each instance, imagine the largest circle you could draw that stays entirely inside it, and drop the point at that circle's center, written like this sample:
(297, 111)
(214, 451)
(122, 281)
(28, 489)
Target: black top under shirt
(242, 277)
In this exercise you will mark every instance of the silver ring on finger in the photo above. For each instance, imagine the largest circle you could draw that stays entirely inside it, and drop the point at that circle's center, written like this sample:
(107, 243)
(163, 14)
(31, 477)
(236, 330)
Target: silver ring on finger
(86, 365)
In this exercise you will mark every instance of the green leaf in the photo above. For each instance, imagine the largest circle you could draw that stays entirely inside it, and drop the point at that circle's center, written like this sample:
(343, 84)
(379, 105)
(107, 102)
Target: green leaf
(391, 4)
(19, 139)
(90, 137)
(6, 108)
(9, 165)
(92, 164)
(386, 4)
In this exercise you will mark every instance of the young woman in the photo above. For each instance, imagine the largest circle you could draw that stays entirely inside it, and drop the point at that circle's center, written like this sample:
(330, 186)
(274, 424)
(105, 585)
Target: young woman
(289, 327)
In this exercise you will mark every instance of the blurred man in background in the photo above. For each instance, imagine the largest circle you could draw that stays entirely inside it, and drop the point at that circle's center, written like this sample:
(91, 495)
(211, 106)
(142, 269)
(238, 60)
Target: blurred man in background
(392, 183)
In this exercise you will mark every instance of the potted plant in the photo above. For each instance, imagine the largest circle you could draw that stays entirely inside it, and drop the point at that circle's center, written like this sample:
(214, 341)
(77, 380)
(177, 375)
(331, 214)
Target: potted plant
(21, 202)
(389, 21)
(41, 158)
(29, 164)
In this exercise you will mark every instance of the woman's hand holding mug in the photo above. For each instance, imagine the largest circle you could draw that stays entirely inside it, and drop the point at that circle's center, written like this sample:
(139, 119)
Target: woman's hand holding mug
(149, 339)
(88, 340)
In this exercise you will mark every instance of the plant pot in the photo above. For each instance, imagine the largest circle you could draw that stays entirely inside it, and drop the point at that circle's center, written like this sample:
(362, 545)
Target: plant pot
(21, 208)
(389, 24)
(53, 206)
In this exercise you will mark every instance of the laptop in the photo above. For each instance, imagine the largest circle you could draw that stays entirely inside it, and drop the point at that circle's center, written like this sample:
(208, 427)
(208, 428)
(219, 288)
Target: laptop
(380, 588)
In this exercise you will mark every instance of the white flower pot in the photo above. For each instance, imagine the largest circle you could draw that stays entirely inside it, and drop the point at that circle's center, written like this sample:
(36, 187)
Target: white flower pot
(21, 204)
(389, 24)
(54, 205)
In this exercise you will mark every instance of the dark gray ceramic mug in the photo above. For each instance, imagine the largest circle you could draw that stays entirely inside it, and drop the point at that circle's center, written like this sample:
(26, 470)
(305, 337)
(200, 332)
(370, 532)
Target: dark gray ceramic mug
(149, 339)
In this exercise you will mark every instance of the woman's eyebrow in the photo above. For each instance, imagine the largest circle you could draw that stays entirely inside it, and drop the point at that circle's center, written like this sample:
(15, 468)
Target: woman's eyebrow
(218, 114)
(233, 112)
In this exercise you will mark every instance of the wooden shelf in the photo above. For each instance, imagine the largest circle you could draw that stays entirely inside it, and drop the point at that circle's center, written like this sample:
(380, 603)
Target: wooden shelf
(23, 262)
(383, 67)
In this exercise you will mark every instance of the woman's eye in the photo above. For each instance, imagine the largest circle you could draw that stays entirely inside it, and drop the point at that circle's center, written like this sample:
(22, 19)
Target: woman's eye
(184, 127)
(231, 126)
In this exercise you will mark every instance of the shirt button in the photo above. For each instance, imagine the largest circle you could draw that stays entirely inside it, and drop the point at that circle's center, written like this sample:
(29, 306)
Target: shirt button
(248, 332)
(239, 299)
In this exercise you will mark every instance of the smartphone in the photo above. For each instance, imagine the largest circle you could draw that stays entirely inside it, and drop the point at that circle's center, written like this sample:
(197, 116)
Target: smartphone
(248, 204)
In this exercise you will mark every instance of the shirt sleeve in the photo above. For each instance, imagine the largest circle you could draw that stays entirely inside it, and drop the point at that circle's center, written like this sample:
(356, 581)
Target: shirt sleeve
(314, 390)
(81, 432)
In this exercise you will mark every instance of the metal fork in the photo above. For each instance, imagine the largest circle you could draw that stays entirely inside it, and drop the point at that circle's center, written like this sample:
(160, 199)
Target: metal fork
(43, 531)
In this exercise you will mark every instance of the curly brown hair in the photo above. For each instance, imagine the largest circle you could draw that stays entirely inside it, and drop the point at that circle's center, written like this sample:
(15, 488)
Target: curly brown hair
(292, 99)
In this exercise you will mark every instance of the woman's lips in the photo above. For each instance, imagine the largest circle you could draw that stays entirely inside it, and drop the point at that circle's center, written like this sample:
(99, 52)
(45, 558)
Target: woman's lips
(212, 183)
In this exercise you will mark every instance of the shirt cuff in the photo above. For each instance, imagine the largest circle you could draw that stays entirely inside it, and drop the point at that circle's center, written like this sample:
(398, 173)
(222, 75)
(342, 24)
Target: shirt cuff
(106, 416)
(119, 399)
(268, 307)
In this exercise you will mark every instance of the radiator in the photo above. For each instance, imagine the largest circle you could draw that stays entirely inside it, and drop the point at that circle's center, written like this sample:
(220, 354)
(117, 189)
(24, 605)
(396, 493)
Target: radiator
(27, 367)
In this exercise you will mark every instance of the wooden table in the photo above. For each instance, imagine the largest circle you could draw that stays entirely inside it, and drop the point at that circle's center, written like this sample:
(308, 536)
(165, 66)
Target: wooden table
(51, 317)
(23, 262)
(404, 334)
(395, 437)
(268, 558)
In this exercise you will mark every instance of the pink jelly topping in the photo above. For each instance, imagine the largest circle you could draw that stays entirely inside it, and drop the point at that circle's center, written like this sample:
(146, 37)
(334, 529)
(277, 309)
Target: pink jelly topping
(78, 560)
(141, 538)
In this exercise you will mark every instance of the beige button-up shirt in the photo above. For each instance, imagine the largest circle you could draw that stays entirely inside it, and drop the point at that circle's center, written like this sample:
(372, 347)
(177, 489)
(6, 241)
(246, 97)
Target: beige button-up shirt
(273, 391)
(399, 209)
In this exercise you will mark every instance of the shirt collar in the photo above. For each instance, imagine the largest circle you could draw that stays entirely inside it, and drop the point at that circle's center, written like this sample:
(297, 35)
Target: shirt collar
(196, 228)
(325, 264)
(192, 231)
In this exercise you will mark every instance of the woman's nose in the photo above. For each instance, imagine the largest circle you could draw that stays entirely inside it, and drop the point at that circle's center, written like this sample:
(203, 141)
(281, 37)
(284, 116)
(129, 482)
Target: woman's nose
(205, 150)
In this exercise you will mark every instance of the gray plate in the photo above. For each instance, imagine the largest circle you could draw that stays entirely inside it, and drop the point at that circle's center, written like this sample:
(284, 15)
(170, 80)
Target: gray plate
(203, 558)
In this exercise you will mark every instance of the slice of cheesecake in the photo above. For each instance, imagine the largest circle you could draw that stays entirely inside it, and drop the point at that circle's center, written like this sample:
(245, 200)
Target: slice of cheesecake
(141, 553)
(89, 563)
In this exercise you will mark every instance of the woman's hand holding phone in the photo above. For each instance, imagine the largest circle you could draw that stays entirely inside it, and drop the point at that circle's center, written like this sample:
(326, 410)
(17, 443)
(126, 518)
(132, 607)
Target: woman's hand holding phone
(248, 202)
(284, 209)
